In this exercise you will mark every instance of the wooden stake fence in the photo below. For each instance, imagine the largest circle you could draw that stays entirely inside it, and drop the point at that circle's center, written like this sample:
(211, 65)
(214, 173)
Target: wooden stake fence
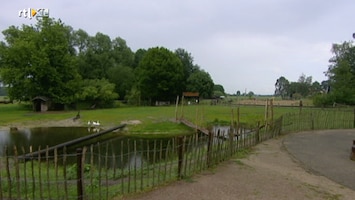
(102, 173)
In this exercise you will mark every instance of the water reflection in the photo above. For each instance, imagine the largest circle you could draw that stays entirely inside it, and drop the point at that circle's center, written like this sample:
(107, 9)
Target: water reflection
(39, 137)
(112, 149)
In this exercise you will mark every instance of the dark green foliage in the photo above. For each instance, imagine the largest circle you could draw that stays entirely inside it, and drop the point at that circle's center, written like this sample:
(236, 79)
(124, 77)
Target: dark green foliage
(218, 90)
(69, 66)
(341, 74)
(99, 92)
(160, 74)
(202, 82)
(303, 88)
(282, 87)
(39, 61)
(123, 78)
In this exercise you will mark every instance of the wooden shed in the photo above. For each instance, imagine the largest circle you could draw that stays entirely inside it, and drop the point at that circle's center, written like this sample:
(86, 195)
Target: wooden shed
(41, 104)
(192, 97)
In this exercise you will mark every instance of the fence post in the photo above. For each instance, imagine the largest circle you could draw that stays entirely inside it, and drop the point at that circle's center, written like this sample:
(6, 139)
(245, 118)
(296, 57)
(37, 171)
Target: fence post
(258, 132)
(231, 141)
(312, 121)
(354, 119)
(79, 174)
(209, 148)
(180, 156)
(280, 124)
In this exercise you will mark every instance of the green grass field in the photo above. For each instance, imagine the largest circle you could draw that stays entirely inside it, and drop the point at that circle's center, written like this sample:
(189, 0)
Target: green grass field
(156, 119)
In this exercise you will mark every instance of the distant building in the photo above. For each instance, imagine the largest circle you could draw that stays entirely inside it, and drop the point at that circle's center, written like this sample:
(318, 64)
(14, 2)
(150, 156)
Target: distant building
(41, 104)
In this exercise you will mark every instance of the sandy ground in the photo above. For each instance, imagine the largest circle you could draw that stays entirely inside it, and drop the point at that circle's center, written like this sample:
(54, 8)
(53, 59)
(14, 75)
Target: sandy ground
(270, 172)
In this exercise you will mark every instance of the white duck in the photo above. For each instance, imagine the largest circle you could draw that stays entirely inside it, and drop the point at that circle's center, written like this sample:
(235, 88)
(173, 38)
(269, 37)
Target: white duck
(96, 123)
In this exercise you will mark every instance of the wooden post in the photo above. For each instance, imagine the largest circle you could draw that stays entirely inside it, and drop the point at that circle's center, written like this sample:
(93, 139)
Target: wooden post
(312, 122)
(232, 122)
(301, 105)
(196, 123)
(182, 107)
(8, 175)
(79, 174)
(209, 148)
(176, 107)
(266, 110)
(266, 114)
(238, 119)
(258, 133)
(180, 156)
(231, 142)
(272, 109)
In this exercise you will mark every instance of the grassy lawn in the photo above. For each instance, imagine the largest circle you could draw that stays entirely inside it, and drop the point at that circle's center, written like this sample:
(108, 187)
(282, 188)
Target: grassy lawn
(152, 118)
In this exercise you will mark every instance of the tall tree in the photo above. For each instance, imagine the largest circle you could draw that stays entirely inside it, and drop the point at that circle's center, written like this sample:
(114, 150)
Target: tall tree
(121, 53)
(187, 62)
(97, 59)
(282, 87)
(138, 56)
(201, 81)
(341, 73)
(98, 92)
(218, 90)
(160, 74)
(40, 60)
(123, 78)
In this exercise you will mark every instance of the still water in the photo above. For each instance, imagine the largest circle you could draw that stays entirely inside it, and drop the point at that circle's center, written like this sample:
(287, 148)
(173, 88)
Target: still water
(122, 150)
(39, 137)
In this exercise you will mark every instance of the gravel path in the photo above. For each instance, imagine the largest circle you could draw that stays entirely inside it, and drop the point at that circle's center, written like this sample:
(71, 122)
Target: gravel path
(272, 171)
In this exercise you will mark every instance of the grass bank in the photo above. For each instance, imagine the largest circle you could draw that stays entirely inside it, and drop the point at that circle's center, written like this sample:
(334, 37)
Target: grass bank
(152, 119)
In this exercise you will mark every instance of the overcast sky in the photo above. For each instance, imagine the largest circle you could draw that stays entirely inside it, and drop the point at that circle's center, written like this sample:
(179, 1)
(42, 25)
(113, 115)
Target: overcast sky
(242, 44)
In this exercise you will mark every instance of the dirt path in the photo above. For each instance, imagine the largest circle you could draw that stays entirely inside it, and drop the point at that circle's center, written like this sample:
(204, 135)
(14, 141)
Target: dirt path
(270, 172)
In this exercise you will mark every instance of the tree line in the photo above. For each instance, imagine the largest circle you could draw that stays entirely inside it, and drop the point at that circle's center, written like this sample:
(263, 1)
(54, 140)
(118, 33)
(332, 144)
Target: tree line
(339, 88)
(341, 77)
(302, 88)
(69, 66)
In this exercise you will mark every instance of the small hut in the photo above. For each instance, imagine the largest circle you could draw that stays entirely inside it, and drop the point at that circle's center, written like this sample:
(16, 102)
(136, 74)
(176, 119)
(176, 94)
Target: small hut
(40, 104)
(191, 97)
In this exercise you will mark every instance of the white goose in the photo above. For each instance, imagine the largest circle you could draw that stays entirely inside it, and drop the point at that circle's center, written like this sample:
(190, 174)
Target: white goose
(96, 123)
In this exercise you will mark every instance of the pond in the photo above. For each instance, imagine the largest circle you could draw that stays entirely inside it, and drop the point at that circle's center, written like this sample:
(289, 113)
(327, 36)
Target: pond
(40, 137)
(127, 150)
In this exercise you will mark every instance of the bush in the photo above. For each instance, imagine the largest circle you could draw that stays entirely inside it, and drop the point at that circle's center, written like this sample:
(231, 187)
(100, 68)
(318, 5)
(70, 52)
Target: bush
(323, 100)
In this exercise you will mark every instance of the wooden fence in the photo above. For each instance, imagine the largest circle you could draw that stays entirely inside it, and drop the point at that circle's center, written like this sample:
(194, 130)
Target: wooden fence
(116, 168)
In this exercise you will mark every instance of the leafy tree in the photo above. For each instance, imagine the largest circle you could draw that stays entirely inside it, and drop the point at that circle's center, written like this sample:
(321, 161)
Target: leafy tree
(250, 94)
(160, 74)
(238, 93)
(97, 91)
(316, 88)
(81, 40)
(201, 81)
(343, 83)
(282, 87)
(138, 57)
(121, 53)
(97, 59)
(219, 88)
(123, 78)
(187, 62)
(341, 73)
(40, 60)
(325, 86)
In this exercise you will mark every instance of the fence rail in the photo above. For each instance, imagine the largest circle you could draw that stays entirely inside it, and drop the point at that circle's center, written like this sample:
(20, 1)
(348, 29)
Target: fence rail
(104, 170)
